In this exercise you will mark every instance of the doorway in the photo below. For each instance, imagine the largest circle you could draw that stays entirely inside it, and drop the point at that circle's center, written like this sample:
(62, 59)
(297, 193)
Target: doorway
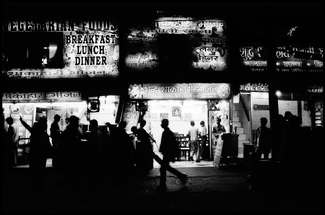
(178, 112)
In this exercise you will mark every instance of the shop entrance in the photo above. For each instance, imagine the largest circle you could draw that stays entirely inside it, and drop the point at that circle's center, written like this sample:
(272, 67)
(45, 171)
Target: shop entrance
(180, 113)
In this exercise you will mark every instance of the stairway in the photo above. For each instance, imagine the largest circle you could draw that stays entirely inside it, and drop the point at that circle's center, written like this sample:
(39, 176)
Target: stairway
(242, 138)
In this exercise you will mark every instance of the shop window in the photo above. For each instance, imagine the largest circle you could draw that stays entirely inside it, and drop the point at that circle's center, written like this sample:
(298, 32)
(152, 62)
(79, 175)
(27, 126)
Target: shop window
(32, 50)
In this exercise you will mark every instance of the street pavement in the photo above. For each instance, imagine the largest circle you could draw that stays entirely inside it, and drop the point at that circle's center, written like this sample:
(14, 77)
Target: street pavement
(228, 189)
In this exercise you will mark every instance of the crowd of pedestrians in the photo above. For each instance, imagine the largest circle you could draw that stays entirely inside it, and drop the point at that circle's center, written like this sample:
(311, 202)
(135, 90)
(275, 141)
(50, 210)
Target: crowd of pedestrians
(76, 153)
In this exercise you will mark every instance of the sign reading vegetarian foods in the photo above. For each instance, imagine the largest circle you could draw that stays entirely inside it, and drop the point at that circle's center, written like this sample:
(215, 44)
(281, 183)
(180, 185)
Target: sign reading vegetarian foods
(69, 49)
(179, 91)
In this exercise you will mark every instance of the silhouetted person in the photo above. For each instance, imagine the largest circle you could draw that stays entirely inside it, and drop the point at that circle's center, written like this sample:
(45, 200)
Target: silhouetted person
(12, 138)
(5, 151)
(55, 135)
(278, 132)
(108, 144)
(293, 150)
(169, 149)
(262, 140)
(95, 155)
(71, 155)
(123, 153)
(144, 149)
(134, 135)
(204, 136)
(40, 149)
(193, 135)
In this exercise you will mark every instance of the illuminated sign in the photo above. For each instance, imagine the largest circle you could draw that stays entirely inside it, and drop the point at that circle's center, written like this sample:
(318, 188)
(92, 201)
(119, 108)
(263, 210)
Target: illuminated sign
(179, 91)
(204, 43)
(289, 59)
(34, 25)
(261, 107)
(60, 49)
(264, 87)
(319, 116)
(315, 88)
(41, 97)
(254, 87)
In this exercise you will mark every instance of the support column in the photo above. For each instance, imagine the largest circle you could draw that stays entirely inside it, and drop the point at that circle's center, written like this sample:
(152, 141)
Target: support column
(273, 99)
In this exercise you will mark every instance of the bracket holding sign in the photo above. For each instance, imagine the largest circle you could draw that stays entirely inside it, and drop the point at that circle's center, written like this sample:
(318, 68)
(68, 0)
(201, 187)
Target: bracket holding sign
(93, 105)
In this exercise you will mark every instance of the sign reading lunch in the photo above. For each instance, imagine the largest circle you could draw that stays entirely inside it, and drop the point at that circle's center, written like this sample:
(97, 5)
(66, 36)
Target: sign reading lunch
(179, 91)
(95, 49)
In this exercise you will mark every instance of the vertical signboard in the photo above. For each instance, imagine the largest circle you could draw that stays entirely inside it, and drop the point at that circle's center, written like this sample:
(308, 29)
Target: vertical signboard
(131, 115)
(217, 153)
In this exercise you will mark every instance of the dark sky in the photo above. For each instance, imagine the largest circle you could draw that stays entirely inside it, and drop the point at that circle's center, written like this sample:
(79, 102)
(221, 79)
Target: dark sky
(251, 17)
(240, 9)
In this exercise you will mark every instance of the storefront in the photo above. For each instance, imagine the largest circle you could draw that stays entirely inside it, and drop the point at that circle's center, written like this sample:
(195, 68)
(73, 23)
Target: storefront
(180, 103)
(254, 97)
(291, 80)
(32, 106)
(60, 65)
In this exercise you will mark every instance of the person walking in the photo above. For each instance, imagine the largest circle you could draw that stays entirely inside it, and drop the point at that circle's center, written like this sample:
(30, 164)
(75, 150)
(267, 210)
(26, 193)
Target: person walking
(55, 135)
(169, 149)
(193, 134)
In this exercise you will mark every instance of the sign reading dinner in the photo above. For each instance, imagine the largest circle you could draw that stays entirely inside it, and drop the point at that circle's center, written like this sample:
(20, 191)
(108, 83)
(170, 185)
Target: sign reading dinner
(91, 49)
(70, 49)
(180, 91)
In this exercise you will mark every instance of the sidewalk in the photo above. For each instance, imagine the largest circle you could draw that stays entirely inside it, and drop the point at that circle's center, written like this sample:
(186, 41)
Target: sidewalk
(208, 189)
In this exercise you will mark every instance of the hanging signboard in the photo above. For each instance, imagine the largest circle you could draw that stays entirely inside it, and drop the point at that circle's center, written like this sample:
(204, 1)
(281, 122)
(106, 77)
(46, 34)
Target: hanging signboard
(130, 116)
(60, 49)
(179, 91)
(203, 41)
